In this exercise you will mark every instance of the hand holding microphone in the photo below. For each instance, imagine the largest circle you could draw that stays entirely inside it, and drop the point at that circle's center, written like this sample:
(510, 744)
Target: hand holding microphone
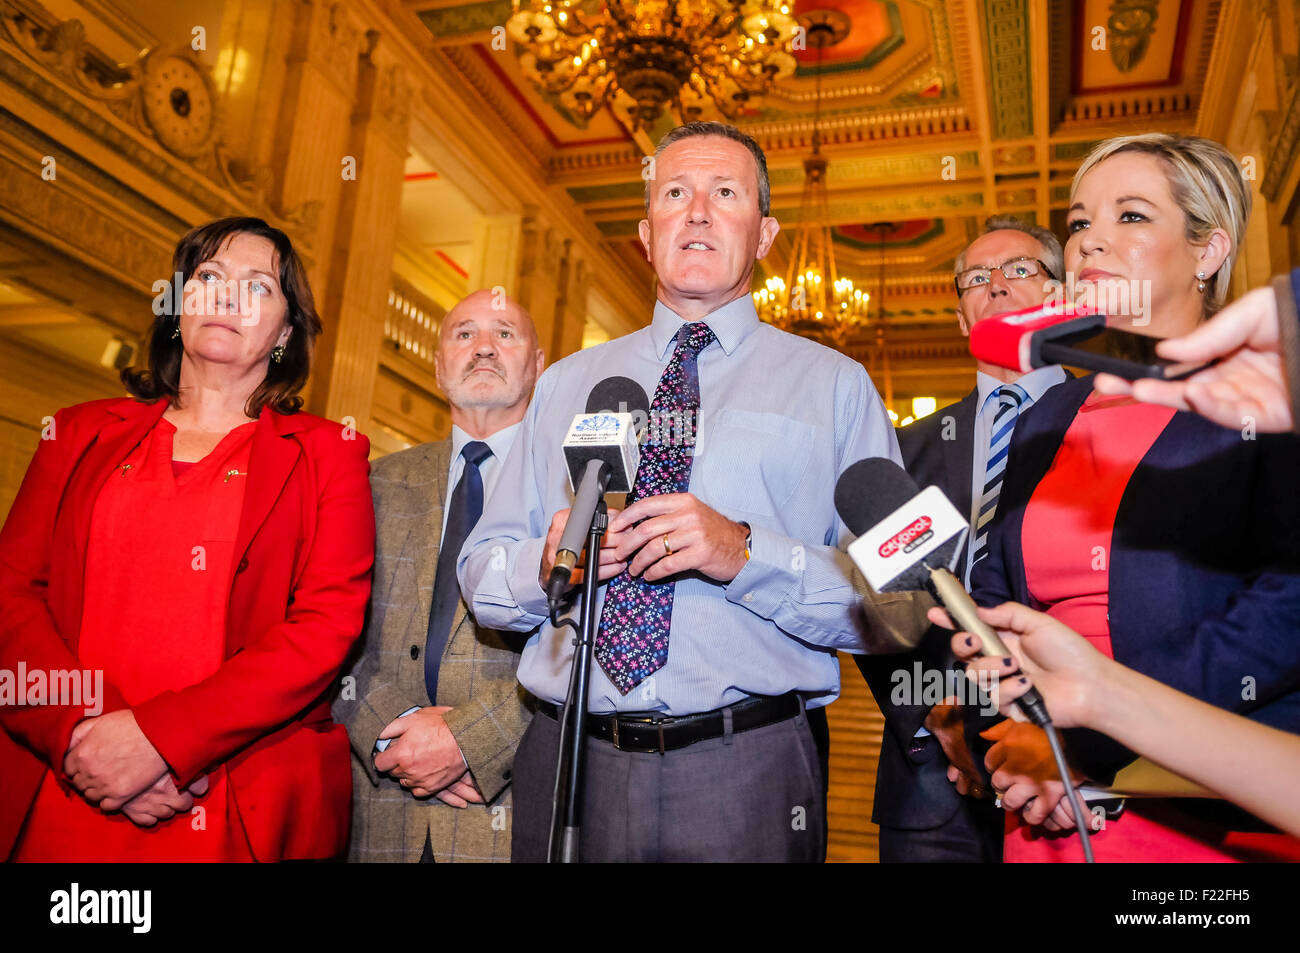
(602, 451)
(610, 564)
(908, 539)
(1048, 654)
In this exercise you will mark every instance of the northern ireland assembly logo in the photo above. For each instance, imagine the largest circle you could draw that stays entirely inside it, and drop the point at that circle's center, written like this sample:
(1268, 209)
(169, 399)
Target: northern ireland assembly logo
(597, 423)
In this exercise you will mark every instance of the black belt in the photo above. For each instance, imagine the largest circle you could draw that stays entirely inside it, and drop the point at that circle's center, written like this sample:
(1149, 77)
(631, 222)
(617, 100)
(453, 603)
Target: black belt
(655, 733)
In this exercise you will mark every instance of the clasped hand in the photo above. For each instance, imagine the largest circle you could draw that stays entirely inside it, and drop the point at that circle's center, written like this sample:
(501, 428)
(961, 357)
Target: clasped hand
(424, 757)
(114, 767)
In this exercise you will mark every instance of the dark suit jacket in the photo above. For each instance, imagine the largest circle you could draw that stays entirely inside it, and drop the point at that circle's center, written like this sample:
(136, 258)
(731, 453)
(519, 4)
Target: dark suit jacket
(1204, 568)
(918, 795)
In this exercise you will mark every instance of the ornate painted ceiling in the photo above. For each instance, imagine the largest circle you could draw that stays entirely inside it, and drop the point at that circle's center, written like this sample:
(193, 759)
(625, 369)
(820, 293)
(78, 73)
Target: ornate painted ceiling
(935, 115)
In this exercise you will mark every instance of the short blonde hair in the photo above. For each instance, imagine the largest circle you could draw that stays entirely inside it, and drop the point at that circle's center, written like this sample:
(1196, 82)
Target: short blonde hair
(1206, 184)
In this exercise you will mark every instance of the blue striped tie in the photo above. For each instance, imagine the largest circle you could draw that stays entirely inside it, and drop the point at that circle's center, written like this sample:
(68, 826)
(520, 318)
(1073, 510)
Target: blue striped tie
(1011, 399)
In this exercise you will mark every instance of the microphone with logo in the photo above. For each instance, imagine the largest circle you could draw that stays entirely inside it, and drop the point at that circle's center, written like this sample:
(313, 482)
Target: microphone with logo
(1061, 333)
(601, 450)
(908, 538)
(602, 453)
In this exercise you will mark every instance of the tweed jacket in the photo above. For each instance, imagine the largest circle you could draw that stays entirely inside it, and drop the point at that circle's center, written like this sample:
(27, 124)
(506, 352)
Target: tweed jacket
(476, 677)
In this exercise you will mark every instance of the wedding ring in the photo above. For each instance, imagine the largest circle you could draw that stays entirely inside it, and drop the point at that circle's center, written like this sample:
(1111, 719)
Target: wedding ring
(667, 549)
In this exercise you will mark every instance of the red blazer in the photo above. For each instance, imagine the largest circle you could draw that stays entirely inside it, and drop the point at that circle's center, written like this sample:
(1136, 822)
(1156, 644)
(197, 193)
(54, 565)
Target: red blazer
(304, 551)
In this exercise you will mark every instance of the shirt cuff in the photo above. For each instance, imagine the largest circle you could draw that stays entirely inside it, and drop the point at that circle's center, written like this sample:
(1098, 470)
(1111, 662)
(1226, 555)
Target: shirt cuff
(769, 575)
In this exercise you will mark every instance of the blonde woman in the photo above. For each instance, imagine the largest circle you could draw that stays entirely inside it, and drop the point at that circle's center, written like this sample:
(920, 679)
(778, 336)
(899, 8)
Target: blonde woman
(1171, 544)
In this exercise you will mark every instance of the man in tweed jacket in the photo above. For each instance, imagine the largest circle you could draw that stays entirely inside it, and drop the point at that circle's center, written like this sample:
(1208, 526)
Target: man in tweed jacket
(439, 789)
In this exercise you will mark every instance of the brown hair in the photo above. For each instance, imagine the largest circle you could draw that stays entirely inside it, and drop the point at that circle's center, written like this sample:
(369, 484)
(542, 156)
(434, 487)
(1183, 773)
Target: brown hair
(691, 129)
(284, 378)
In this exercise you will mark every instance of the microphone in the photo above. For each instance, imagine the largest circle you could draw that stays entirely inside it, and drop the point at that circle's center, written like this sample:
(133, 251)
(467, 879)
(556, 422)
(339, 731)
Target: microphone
(1062, 333)
(1031, 337)
(909, 539)
(602, 453)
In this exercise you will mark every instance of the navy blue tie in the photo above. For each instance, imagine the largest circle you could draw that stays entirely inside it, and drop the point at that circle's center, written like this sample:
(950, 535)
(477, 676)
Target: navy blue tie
(463, 511)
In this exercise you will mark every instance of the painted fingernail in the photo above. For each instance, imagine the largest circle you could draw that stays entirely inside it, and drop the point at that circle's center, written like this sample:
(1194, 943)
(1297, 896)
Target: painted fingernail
(1022, 680)
(970, 640)
(1006, 662)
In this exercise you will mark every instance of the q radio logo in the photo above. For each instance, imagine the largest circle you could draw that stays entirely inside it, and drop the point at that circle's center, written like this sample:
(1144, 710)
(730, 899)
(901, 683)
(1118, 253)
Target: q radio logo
(597, 423)
(910, 537)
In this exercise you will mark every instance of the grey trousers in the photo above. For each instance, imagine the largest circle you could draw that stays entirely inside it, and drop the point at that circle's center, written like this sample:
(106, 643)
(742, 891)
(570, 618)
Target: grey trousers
(748, 796)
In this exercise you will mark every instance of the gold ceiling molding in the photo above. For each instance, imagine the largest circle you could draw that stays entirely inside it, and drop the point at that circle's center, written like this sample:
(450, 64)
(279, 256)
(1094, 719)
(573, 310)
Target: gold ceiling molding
(497, 96)
(1108, 106)
(623, 160)
(851, 90)
(844, 130)
(168, 96)
(70, 219)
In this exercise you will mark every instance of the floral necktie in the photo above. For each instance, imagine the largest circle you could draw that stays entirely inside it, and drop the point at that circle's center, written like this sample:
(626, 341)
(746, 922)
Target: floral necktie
(632, 643)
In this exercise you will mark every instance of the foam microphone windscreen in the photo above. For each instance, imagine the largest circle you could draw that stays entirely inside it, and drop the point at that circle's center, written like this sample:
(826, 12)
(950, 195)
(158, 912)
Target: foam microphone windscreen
(870, 490)
(619, 395)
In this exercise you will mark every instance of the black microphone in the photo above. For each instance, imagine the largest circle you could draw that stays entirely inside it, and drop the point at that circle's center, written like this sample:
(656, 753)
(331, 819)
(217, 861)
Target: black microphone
(602, 452)
(908, 539)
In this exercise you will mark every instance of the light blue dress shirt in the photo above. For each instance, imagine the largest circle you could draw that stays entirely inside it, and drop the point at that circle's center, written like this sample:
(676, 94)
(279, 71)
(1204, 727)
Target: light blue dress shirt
(780, 419)
(1036, 383)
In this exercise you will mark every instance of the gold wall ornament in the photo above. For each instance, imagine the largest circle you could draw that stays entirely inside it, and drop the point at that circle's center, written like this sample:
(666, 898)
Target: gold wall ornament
(1130, 26)
(686, 55)
(178, 99)
(171, 97)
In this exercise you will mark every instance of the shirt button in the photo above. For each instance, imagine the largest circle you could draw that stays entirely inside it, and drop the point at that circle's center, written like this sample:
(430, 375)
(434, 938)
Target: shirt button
(415, 651)
(748, 597)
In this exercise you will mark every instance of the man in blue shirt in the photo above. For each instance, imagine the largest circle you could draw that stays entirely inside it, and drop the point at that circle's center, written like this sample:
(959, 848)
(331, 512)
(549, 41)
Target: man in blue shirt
(730, 592)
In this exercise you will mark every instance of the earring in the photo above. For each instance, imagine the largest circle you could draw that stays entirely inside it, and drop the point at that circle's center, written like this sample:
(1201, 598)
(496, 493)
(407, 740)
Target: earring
(1200, 282)
(277, 353)
(176, 331)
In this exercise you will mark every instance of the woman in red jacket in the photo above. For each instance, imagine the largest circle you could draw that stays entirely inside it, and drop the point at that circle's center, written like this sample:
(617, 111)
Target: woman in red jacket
(183, 574)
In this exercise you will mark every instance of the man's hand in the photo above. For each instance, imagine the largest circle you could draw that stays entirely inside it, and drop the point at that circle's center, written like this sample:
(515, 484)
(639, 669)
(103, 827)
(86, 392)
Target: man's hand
(423, 756)
(1024, 771)
(461, 793)
(162, 801)
(700, 538)
(1248, 381)
(609, 567)
(110, 760)
(945, 722)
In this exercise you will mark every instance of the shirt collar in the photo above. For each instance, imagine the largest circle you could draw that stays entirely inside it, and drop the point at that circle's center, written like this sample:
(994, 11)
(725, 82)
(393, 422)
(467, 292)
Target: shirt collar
(1036, 383)
(499, 442)
(730, 324)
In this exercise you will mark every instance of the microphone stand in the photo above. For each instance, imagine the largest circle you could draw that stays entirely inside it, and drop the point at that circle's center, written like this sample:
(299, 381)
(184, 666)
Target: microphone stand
(567, 798)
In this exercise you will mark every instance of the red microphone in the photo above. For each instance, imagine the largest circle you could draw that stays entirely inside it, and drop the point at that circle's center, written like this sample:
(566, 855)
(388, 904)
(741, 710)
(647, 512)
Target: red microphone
(1075, 335)
(1015, 340)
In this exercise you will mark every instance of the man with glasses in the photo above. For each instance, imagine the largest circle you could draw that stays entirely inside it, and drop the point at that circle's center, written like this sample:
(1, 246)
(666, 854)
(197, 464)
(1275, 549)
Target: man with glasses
(961, 449)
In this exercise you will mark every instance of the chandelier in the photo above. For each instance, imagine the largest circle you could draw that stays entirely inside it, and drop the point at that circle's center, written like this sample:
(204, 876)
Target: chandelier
(683, 54)
(814, 300)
